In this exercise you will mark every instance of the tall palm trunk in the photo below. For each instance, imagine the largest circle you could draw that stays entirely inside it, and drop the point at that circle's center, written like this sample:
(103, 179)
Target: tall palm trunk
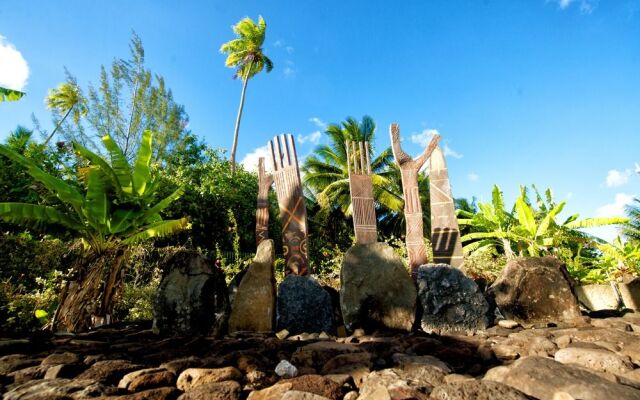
(58, 126)
(235, 133)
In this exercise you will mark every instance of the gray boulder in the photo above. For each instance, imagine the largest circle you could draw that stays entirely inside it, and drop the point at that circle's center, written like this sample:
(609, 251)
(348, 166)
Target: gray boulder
(535, 289)
(192, 297)
(254, 305)
(303, 306)
(450, 300)
(376, 289)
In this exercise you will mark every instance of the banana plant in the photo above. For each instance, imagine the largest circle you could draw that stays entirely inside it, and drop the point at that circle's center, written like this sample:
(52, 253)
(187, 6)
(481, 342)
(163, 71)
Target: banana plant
(10, 95)
(531, 231)
(114, 203)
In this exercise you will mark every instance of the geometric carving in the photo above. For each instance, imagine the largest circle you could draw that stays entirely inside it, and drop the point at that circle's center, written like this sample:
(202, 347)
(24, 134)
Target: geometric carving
(293, 211)
(409, 169)
(445, 234)
(361, 189)
(262, 211)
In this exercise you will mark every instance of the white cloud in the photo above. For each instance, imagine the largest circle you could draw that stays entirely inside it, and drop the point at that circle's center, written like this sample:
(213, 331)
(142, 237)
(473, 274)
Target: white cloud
(423, 138)
(473, 177)
(617, 178)
(615, 209)
(278, 43)
(250, 160)
(585, 6)
(289, 49)
(318, 122)
(313, 138)
(14, 70)
(289, 70)
(449, 152)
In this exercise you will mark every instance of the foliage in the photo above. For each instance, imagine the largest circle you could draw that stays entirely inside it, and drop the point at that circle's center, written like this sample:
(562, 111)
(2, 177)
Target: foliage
(128, 100)
(632, 229)
(486, 264)
(326, 177)
(613, 262)
(527, 230)
(10, 95)
(114, 205)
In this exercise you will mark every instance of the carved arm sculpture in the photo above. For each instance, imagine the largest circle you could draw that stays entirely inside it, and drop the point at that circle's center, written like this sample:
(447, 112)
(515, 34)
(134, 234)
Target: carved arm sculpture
(409, 169)
(265, 181)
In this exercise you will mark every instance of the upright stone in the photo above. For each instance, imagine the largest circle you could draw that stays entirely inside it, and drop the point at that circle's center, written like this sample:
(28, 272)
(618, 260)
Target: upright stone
(535, 289)
(254, 305)
(445, 234)
(376, 290)
(293, 211)
(262, 210)
(409, 169)
(303, 306)
(450, 300)
(192, 297)
(361, 189)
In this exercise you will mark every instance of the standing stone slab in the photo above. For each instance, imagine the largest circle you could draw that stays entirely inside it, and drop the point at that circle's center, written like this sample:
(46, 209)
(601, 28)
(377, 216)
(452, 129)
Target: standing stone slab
(535, 289)
(450, 300)
(445, 234)
(303, 306)
(376, 290)
(254, 305)
(409, 169)
(262, 210)
(361, 190)
(293, 211)
(192, 298)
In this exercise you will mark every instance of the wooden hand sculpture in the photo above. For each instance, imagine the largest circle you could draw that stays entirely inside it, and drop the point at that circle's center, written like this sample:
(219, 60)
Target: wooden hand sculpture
(361, 188)
(265, 181)
(409, 169)
(293, 211)
(445, 234)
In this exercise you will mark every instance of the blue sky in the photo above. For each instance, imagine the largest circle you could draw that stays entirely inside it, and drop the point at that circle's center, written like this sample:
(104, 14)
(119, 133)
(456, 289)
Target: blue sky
(522, 92)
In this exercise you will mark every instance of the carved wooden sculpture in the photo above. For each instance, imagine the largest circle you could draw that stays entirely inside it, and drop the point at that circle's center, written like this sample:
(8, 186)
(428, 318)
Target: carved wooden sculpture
(410, 168)
(445, 234)
(293, 211)
(262, 211)
(361, 188)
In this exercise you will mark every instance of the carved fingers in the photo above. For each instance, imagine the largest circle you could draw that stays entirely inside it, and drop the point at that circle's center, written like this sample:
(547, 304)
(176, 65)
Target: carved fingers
(283, 152)
(400, 156)
(358, 161)
(264, 178)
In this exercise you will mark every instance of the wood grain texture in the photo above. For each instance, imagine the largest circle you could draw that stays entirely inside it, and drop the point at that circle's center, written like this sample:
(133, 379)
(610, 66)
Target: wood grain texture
(361, 189)
(409, 170)
(265, 181)
(293, 211)
(445, 234)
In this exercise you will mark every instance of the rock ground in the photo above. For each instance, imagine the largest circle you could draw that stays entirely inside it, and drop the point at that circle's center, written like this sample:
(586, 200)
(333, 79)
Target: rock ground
(586, 358)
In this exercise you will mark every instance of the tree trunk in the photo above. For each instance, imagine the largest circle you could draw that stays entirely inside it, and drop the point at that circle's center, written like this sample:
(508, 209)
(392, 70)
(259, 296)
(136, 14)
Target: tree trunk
(58, 126)
(87, 301)
(237, 129)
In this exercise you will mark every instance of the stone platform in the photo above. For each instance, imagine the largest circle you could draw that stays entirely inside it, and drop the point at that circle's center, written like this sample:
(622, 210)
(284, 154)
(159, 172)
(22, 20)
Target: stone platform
(589, 358)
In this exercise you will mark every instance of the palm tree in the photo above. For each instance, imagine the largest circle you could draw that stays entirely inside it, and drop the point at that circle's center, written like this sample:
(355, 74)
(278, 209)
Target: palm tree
(65, 99)
(246, 55)
(327, 177)
(10, 95)
(632, 229)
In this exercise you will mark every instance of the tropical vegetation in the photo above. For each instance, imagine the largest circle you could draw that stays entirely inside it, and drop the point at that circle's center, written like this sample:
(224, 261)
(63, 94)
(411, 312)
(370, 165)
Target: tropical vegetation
(10, 95)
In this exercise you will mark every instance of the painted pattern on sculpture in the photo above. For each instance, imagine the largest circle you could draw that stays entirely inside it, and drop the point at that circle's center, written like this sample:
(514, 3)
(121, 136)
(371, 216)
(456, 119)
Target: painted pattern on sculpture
(293, 211)
(445, 234)
(265, 181)
(361, 189)
(409, 169)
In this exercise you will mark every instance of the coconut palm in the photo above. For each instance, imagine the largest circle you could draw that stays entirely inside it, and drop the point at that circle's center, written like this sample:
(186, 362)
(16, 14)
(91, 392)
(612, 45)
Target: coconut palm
(632, 229)
(246, 55)
(67, 98)
(326, 175)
